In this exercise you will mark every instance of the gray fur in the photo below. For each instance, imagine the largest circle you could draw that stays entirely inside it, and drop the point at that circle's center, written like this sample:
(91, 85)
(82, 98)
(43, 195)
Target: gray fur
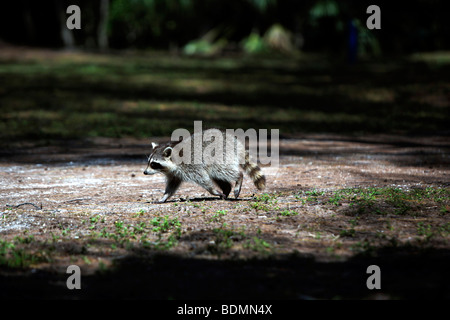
(210, 173)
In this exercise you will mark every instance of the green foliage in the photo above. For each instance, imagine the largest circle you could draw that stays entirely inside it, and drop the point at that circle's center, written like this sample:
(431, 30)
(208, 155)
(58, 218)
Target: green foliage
(204, 47)
(140, 21)
(262, 5)
(324, 8)
(13, 255)
(257, 244)
(312, 196)
(288, 213)
(254, 44)
(276, 39)
(388, 199)
(225, 238)
(164, 224)
(218, 215)
(265, 202)
(166, 229)
(427, 231)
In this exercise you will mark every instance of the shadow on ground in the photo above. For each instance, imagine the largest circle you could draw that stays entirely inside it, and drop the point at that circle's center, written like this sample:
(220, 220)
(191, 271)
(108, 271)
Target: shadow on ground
(86, 96)
(55, 110)
(406, 273)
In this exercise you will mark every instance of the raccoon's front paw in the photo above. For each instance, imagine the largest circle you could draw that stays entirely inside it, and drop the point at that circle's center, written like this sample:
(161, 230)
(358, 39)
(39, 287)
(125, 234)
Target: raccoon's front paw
(164, 198)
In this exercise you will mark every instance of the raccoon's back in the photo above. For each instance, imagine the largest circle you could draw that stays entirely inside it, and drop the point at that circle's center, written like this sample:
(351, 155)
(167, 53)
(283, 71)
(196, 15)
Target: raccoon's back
(199, 173)
(210, 147)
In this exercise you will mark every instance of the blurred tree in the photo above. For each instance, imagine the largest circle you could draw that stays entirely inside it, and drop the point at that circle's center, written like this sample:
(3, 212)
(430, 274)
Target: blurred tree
(279, 39)
(326, 26)
(263, 5)
(67, 37)
(144, 23)
(254, 44)
(102, 33)
(313, 25)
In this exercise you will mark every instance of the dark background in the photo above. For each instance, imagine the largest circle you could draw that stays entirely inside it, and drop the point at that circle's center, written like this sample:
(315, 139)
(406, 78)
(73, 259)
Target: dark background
(316, 26)
(143, 68)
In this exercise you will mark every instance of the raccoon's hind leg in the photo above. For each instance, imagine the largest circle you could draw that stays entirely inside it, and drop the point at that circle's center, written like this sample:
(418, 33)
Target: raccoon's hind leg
(225, 186)
(172, 185)
(237, 187)
(209, 186)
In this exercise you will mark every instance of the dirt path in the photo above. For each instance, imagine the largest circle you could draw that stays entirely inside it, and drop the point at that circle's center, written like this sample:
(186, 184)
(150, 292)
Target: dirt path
(108, 173)
(89, 204)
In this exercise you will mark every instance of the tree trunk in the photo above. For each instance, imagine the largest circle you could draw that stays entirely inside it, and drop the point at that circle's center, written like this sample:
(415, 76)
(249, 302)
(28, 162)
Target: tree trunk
(102, 32)
(66, 34)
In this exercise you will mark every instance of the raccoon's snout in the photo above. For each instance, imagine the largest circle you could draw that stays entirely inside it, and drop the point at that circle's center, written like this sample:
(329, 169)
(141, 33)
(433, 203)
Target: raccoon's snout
(149, 171)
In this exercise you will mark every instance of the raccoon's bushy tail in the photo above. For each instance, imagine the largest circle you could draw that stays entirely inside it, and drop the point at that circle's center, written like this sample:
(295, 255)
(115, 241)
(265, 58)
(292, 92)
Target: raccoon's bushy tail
(254, 171)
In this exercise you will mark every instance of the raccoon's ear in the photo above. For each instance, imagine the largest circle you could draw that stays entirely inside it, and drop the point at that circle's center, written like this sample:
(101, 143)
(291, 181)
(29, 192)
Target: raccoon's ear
(154, 145)
(167, 152)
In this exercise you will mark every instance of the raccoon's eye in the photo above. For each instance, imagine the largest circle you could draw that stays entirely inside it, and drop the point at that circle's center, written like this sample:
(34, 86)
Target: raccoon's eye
(155, 165)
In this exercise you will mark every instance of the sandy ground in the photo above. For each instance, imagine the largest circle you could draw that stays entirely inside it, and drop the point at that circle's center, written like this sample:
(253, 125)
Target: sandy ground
(107, 173)
(48, 189)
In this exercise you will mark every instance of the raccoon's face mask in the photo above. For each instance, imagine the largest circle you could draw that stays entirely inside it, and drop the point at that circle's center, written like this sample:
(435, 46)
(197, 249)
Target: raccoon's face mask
(150, 169)
(157, 159)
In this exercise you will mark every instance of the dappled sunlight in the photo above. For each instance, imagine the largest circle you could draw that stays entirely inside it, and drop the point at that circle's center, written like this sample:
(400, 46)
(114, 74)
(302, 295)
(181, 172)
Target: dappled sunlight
(107, 95)
(363, 173)
(350, 99)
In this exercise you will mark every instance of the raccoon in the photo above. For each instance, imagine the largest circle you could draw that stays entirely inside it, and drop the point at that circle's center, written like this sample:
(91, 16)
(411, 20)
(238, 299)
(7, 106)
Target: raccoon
(219, 164)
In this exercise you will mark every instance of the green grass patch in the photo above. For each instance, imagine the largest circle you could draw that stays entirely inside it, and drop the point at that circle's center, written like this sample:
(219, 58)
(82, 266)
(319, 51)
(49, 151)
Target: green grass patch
(390, 200)
(20, 254)
(264, 202)
(159, 232)
(380, 200)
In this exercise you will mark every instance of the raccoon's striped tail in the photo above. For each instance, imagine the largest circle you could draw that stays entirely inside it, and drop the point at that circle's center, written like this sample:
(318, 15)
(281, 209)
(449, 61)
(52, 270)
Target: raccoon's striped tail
(254, 171)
